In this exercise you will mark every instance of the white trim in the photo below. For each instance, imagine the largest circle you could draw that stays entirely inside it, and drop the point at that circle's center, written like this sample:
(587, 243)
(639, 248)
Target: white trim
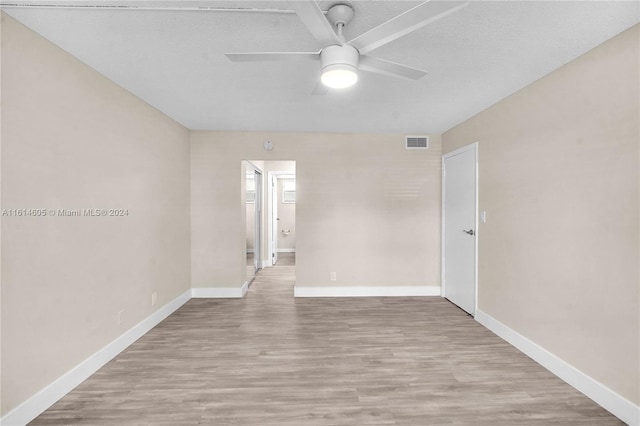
(270, 231)
(286, 250)
(619, 406)
(476, 146)
(38, 403)
(266, 263)
(219, 292)
(442, 213)
(373, 291)
(471, 147)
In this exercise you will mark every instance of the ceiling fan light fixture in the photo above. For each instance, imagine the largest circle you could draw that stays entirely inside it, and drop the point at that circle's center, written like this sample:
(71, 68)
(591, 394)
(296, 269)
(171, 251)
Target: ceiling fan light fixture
(339, 76)
(339, 66)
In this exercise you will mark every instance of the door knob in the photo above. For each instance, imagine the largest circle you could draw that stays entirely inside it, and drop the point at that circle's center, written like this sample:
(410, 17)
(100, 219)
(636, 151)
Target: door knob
(469, 231)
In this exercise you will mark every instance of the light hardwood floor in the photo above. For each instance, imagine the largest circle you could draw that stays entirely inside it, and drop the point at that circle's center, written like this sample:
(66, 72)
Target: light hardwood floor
(270, 359)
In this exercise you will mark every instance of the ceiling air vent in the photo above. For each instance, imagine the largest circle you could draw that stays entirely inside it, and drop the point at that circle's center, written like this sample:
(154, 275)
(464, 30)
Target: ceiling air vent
(417, 142)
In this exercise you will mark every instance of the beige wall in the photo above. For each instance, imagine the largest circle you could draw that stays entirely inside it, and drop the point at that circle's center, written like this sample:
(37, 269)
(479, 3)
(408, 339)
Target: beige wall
(71, 139)
(367, 208)
(287, 216)
(558, 175)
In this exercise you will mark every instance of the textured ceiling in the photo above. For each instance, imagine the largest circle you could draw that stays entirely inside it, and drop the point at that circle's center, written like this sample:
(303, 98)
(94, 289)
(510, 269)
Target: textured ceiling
(171, 54)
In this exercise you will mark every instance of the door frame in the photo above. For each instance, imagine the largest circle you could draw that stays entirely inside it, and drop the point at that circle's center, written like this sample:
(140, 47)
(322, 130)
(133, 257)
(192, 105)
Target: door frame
(471, 147)
(273, 233)
(258, 207)
(257, 254)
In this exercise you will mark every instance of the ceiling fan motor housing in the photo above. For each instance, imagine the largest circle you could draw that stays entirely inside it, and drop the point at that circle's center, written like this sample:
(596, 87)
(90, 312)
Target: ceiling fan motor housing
(339, 55)
(339, 66)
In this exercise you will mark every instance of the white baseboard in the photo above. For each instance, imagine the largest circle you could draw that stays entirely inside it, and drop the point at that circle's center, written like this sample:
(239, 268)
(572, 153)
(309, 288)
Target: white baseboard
(219, 292)
(372, 291)
(619, 406)
(286, 250)
(38, 403)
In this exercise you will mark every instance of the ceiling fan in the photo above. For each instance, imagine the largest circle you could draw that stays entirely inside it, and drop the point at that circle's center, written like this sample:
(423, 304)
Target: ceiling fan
(340, 60)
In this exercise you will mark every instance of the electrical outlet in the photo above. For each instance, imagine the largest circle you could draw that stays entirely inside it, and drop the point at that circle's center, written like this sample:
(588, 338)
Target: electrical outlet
(333, 276)
(154, 298)
(120, 313)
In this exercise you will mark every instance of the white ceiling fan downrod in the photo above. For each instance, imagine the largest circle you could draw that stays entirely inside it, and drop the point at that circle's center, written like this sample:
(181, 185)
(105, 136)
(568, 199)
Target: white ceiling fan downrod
(339, 62)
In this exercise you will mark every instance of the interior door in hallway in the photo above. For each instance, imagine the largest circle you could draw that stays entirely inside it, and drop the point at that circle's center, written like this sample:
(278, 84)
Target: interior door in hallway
(460, 226)
(273, 229)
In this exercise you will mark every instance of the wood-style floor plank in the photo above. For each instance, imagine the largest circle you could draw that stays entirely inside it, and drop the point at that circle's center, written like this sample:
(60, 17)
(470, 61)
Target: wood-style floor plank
(270, 359)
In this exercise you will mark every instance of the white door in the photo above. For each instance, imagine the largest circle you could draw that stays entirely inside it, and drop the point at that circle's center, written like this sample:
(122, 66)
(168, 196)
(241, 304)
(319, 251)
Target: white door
(460, 226)
(274, 219)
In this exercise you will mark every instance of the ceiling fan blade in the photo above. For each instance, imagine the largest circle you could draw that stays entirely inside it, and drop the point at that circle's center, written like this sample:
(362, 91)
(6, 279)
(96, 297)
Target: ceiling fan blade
(273, 56)
(403, 24)
(310, 14)
(380, 66)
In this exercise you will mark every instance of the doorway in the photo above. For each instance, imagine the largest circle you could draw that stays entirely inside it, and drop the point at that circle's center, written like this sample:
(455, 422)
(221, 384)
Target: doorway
(459, 228)
(281, 217)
